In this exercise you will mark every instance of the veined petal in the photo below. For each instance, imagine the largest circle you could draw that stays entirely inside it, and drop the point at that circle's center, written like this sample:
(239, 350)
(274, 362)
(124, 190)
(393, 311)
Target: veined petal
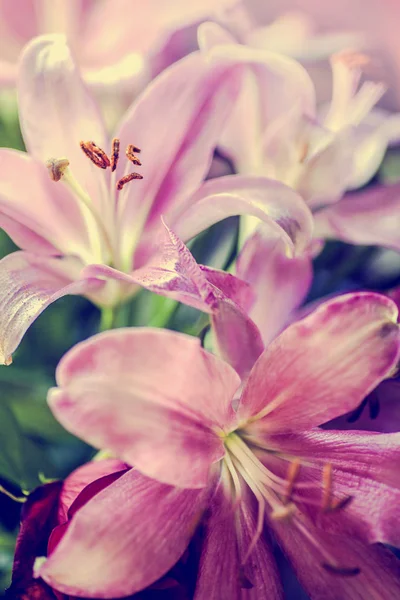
(379, 569)
(365, 467)
(324, 365)
(57, 113)
(28, 284)
(227, 535)
(83, 477)
(109, 396)
(52, 223)
(176, 151)
(271, 201)
(124, 539)
(281, 283)
(366, 217)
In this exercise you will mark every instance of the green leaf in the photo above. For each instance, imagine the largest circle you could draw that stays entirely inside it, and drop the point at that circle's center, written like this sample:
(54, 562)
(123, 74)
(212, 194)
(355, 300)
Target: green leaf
(11, 448)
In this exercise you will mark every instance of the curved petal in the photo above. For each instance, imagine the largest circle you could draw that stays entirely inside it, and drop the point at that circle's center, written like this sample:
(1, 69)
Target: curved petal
(57, 112)
(280, 283)
(176, 151)
(273, 85)
(379, 569)
(50, 224)
(269, 200)
(324, 365)
(367, 217)
(165, 425)
(81, 478)
(365, 467)
(143, 526)
(28, 284)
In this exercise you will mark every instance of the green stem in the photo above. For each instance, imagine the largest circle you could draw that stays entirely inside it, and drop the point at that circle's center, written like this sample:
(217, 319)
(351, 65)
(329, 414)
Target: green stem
(106, 318)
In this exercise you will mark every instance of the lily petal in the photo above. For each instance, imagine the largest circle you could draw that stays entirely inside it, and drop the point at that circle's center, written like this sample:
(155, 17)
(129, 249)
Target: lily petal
(144, 527)
(28, 284)
(366, 217)
(379, 575)
(324, 365)
(271, 201)
(365, 467)
(281, 283)
(52, 223)
(176, 151)
(57, 112)
(108, 395)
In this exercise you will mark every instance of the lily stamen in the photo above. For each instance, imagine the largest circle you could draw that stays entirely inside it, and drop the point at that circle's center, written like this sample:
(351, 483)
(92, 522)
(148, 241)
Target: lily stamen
(126, 179)
(114, 154)
(130, 154)
(57, 167)
(95, 154)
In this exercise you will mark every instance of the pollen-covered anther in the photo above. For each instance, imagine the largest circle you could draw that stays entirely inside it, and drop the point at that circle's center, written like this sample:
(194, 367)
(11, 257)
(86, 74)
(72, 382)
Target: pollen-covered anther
(96, 154)
(342, 571)
(352, 59)
(284, 512)
(57, 167)
(127, 178)
(114, 154)
(337, 505)
(130, 154)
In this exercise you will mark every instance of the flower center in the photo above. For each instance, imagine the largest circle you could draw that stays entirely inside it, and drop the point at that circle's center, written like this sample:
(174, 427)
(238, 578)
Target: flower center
(281, 498)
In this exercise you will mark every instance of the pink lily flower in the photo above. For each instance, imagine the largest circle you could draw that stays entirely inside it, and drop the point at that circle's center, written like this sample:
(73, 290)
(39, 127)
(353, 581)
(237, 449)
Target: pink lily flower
(114, 41)
(374, 21)
(80, 233)
(239, 468)
(321, 154)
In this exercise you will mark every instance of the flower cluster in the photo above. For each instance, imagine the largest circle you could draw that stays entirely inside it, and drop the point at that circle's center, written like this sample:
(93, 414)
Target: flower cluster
(269, 424)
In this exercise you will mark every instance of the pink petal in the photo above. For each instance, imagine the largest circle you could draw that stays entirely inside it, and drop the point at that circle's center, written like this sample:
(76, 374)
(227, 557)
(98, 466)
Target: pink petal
(281, 283)
(365, 467)
(237, 337)
(124, 539)
(324, 365)
(271, 201)
(28, 284)
(176, 151)
(378, 578)
(108, 395)
(57, 112)
(8, 74)
(53, 223)
(18, 22)
(274, 84)
(366, 217)
(81, 478)
(226, 537)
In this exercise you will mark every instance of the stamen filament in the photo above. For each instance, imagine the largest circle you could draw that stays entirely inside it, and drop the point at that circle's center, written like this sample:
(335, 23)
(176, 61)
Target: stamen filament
(78, 190)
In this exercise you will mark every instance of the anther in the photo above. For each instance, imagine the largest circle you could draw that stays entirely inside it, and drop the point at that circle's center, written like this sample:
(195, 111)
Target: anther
(127, 178)
(283, 513)
(292, 474)
(130, 154)
(337, 505)
(114, 154)
(96, 154)
(57, 167)
(343, 571)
